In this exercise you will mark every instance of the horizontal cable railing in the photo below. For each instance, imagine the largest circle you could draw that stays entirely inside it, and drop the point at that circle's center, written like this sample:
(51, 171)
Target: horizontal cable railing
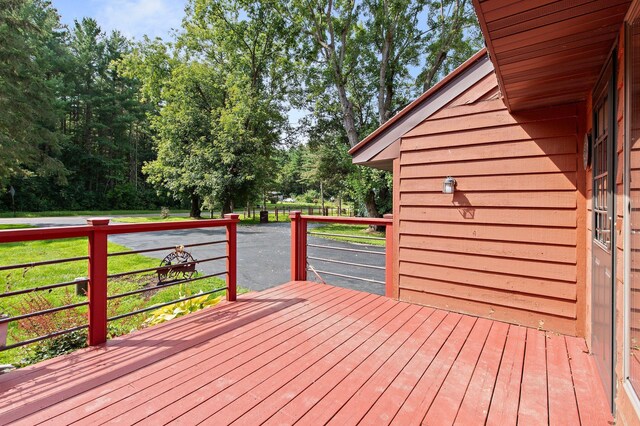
(167, 285)
(42, 263)
(99, 289)
(364, 265)
(124, 253)
(172, 302)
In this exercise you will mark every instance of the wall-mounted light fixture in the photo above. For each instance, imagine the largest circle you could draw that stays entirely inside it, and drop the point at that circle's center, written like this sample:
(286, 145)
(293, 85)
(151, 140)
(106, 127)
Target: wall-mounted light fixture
(449, 185)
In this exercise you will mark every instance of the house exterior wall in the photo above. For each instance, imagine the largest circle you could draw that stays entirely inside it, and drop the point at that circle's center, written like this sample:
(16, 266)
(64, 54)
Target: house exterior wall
(505, 245)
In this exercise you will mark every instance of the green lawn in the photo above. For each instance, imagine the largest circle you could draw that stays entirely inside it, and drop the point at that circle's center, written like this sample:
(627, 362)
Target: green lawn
(58, 213)
(349, 232)
(15, 226)
(148, 219)
(11, 280)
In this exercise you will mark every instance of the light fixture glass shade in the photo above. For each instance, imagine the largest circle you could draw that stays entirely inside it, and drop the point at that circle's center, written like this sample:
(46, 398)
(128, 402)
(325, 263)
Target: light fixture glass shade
(449, 185)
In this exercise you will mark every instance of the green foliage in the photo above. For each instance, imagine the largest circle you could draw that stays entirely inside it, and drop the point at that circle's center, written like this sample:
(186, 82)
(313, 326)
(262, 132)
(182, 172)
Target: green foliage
(48, 274)
(54, 347)
(358, 66)
(93, 121)
(73, 133)
(59, 213)
(29, 79)
(184, 307)
(219, 100)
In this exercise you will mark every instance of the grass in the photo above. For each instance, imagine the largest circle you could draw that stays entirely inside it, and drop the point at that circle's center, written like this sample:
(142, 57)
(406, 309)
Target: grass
(59, 213)
(350, 232)
(148, 219)
(15, 226)
(282, 217)
(16, 279)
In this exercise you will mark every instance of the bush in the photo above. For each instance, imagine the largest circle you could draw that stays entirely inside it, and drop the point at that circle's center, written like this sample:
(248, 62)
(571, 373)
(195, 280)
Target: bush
(54, 347)
(311, 196)
(178, 309)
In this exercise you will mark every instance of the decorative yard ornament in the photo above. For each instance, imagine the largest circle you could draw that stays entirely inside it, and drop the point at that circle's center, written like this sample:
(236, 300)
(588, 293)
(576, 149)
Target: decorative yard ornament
(177, 265)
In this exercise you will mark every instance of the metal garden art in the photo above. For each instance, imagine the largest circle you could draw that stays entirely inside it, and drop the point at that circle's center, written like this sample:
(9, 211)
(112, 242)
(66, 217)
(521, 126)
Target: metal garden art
(177, 265)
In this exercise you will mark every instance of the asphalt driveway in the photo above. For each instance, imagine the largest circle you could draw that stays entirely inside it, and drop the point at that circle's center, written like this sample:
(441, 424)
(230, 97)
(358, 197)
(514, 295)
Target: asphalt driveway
(263, 253)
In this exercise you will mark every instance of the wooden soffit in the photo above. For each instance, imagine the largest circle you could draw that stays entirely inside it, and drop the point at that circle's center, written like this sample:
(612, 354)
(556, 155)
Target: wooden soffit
(548, 52)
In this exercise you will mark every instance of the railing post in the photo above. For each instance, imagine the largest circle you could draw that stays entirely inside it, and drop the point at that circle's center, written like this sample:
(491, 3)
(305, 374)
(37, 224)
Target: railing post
(232, 256)
(98, 281)
(302, 243)
(295, 248)
(389, 260)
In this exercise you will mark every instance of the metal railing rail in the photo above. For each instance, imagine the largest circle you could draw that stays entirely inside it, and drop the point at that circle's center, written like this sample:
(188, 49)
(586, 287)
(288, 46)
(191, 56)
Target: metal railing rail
(300, 257)
(97, 231)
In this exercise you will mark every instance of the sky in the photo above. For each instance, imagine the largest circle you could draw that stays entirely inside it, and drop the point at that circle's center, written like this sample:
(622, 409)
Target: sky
(133, 18)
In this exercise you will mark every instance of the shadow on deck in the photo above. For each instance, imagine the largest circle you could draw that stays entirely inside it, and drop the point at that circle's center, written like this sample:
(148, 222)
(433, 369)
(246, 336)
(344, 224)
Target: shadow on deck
(314, 354)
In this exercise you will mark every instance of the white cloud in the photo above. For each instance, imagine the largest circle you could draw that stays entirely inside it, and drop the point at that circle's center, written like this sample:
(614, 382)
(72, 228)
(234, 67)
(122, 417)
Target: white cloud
(135, 18)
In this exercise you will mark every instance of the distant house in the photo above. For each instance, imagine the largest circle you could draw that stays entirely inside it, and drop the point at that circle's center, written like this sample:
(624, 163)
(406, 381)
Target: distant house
(540, 131)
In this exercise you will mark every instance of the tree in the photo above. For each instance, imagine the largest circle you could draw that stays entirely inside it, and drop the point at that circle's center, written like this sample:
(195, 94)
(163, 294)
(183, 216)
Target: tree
(222, 110)
(364, 52)
(29, 143)
(455, 37)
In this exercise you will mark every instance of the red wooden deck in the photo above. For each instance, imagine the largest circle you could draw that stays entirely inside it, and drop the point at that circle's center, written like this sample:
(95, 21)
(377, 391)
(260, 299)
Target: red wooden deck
(315, 354)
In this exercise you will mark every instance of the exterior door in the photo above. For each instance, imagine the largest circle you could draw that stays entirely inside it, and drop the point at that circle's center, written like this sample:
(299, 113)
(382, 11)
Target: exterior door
(632, 162)
(603, 248)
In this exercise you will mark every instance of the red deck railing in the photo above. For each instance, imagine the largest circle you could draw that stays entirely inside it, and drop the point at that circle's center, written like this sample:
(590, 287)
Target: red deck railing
(300, 256)
(97, 232)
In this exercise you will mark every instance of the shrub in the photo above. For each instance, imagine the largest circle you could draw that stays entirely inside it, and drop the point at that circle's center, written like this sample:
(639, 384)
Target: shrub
(54, 347)
(164, 212)
(178, 309)
(311, 196)
(42, 325)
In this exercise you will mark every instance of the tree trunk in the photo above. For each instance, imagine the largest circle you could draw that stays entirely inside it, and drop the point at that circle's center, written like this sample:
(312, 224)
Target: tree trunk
(227, 207)
(372, 209)
(385, 82)
(195, 206)
(431, 73)
(347, 120)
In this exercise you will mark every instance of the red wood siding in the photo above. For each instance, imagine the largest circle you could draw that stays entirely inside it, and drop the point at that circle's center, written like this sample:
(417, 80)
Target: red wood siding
(504, 246)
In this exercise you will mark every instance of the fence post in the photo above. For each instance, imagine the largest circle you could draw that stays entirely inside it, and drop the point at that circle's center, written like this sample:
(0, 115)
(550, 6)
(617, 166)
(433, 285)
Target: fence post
(389, 290)
(298, 246)
(232, 256)
(98, 281)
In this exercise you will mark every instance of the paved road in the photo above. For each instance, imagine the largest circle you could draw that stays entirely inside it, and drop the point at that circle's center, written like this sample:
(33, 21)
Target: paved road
(263, 252)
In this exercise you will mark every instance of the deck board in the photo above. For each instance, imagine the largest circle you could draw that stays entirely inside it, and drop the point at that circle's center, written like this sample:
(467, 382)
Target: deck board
(310, 353)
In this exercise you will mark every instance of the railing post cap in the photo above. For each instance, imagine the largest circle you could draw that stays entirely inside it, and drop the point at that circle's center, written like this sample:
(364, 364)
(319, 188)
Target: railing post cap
(233, 216)
(388, 216)
(294, 214)
(98, 221)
